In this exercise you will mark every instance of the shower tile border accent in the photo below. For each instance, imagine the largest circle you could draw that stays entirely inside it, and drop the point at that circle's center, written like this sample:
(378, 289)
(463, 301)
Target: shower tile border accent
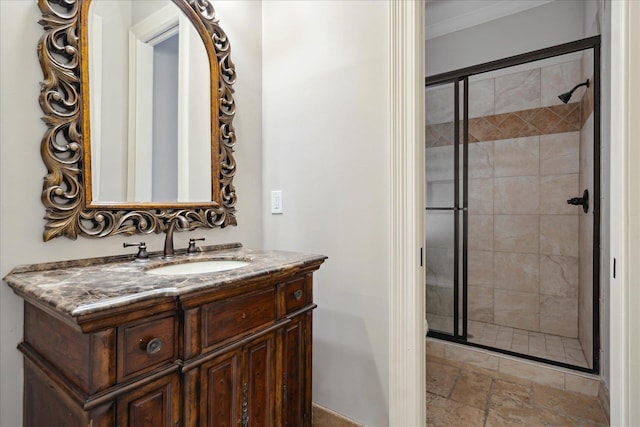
(518, 124)
(539, 373)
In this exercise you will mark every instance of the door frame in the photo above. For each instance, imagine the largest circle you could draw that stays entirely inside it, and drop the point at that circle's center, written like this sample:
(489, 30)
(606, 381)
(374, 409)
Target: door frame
(624, 192)
(407, 341)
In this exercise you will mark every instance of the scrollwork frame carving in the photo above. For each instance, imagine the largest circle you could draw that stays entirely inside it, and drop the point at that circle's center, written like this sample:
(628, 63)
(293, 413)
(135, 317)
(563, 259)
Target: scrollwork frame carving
(64, 150)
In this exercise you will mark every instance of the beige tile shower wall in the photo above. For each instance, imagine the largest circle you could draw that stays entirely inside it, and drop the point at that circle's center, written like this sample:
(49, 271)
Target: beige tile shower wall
(585, 307)
(523, 241)
(586, 242)
(530, 234)
(523, 244)
(525, 90)
(530, 218)
(517, 91)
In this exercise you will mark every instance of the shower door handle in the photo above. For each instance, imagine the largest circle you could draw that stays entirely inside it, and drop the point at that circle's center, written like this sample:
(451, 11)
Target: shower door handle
(581, 201)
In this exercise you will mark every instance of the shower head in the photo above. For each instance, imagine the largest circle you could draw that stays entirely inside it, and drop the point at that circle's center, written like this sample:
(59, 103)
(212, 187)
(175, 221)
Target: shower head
(565, 97)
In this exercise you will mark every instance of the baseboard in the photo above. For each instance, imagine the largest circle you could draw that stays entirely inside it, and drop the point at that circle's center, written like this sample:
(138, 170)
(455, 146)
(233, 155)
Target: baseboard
(603, 396)
(323, 417)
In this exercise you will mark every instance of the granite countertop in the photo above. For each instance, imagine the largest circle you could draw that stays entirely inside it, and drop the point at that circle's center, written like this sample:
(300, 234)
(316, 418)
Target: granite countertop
(86, 286)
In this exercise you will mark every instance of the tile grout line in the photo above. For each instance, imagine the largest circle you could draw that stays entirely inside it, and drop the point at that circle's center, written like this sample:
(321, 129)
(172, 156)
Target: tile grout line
(488, 404)
(455, 382)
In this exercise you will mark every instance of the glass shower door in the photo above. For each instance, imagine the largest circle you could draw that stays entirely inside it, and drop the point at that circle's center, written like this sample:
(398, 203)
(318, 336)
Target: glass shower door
(444, 210)
(512, 259)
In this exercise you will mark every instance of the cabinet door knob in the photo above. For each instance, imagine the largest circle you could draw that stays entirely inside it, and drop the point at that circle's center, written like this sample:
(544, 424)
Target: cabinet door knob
(297, 294)
(152, 347)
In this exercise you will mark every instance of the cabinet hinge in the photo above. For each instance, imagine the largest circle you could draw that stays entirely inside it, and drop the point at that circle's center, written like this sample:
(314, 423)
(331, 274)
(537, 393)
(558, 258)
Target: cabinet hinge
(245, 407)
(284, 393)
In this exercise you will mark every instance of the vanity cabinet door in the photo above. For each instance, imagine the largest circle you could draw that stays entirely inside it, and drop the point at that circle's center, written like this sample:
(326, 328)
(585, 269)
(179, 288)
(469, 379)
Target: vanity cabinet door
(259, 382)
(220, 392)
(156, 404)
(237, 388)
(296, 401)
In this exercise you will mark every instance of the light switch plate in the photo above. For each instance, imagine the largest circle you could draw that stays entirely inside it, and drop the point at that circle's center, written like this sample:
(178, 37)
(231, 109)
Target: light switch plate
(276, 201)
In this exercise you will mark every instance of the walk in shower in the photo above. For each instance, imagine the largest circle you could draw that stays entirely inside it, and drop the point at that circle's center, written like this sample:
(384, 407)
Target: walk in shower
(512, 205)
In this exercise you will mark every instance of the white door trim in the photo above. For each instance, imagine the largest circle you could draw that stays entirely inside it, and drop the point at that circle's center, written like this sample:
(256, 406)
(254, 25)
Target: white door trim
(625, 202)
(407, 363)
(633, 211)
(617, 350)
(143, 36)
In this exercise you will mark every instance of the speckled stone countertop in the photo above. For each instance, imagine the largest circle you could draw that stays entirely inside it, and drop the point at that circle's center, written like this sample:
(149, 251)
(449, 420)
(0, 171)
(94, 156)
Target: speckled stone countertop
(85, 286)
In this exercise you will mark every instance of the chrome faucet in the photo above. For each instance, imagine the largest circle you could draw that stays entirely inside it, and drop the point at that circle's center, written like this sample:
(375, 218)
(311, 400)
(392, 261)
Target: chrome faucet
(168, 241)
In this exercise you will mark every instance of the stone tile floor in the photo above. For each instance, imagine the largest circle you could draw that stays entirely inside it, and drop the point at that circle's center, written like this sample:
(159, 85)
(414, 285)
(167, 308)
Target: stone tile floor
(462, 395)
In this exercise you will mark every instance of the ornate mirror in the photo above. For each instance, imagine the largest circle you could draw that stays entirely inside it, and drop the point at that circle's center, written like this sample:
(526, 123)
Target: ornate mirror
(138, 102)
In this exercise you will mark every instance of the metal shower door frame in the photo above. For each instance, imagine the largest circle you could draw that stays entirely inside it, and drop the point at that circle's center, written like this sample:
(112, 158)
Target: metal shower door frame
(462, 76)
(459, 207)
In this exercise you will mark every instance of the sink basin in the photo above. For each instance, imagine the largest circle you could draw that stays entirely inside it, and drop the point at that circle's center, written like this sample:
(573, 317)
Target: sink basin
(198, 267)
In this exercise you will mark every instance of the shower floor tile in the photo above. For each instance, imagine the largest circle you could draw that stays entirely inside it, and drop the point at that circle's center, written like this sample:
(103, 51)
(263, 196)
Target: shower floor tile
(546, 346)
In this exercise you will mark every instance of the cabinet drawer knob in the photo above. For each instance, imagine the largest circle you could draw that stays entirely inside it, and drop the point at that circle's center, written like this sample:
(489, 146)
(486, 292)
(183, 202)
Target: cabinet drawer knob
(297, 294)
(152, 347)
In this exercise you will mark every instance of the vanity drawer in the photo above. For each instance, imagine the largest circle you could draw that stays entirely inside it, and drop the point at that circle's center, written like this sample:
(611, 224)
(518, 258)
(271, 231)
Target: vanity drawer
(144, 346)
(295, 294)
(231, 318)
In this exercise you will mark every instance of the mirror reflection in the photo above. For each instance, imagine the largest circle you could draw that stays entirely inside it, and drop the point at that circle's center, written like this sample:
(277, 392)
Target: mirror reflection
(150, 104)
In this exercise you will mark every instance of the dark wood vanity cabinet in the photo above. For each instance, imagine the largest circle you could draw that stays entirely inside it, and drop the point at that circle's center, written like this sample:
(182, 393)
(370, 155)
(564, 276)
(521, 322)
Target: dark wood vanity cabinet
(153, 404)
(296, 367)
(234, 356)
(239, 386)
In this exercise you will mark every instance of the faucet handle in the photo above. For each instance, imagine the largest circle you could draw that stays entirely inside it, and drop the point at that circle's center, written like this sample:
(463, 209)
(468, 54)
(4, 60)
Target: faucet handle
(142, 254)
(192, 245)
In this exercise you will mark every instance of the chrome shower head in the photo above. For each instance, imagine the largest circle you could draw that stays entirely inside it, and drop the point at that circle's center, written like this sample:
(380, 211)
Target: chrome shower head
(565, 97)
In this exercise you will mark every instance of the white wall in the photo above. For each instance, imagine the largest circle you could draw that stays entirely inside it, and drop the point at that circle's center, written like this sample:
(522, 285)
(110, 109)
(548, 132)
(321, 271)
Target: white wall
(547, 25)
(326, 146)
(592, 25)
(22, 169)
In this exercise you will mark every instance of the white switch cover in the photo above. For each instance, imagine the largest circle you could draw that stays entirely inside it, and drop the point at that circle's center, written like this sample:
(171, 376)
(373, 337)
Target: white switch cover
(276, 201)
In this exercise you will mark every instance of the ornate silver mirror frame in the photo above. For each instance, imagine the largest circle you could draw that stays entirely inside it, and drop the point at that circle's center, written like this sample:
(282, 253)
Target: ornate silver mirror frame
(62, 51)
